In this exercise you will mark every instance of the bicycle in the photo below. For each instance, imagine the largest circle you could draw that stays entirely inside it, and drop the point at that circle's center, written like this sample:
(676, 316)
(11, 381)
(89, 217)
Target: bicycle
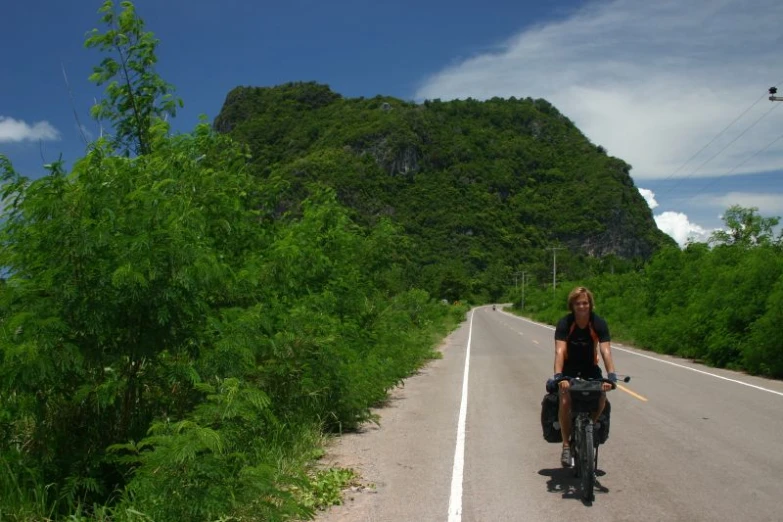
(585, 395)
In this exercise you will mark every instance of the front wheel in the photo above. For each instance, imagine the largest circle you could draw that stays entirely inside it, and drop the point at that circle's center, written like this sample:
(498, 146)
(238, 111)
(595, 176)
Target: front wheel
(587, 464)
(574, 444)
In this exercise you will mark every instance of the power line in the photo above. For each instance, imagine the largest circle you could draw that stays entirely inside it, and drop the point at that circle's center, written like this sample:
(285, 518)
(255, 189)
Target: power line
(772, 91)
(742, 162)
(735, 120)
(725, 147)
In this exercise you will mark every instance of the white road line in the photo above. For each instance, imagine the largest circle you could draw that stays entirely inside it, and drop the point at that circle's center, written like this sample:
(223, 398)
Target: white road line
(455, 501)
(700, 371)
(616, 347)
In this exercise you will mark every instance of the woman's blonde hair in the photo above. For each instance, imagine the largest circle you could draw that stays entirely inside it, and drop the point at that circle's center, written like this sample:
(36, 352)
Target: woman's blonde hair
(578, 291)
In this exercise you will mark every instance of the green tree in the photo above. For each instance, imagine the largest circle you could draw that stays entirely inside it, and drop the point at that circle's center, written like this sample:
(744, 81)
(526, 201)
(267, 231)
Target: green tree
(115, 269)
(762, 352)
(745, 228)
(172, 344)
(136, 95)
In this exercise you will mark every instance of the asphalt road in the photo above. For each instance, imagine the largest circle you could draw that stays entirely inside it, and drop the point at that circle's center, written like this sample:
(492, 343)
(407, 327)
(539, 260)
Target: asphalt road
(687, 442)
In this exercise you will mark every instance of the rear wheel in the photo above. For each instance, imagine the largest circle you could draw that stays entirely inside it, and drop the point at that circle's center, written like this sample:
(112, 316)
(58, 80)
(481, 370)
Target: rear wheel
(587, 464)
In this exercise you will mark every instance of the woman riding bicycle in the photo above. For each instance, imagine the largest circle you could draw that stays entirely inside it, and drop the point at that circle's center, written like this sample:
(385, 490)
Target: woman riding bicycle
(579, 337)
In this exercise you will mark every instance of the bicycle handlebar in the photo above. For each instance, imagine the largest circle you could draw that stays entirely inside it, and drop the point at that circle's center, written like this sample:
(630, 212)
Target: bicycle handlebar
(626, 378)
(572, 379)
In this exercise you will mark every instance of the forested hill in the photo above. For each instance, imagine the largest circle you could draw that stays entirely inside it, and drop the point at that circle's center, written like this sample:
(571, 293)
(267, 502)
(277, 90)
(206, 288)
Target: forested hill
(482, 188)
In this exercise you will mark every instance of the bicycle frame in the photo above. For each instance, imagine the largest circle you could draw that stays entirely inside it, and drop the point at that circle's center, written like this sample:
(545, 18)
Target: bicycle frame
(585, 397)
(585, 453)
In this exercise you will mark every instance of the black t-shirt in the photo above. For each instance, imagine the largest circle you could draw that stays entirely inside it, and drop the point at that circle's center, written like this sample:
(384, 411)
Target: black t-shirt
(581, 349)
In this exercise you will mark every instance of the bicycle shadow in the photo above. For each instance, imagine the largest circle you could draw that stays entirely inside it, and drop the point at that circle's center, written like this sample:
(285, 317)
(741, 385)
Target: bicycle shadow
(563, 481)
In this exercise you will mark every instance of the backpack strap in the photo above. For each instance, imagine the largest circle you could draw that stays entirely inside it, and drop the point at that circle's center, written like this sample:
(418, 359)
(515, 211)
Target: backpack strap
(593, 336)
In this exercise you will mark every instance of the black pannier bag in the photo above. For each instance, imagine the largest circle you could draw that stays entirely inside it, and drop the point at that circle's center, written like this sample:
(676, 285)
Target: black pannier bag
(602, 433)
(550, 423)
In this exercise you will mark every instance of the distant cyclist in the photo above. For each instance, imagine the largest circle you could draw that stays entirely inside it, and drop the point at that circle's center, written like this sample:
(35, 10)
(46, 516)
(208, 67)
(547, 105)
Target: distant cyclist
(579, 337)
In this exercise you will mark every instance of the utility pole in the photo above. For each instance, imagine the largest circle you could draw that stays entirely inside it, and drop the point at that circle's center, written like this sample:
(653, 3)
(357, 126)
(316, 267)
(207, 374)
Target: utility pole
(554, 268)
(516, 287)
(516, 281)
(772, 92)
(523, 291)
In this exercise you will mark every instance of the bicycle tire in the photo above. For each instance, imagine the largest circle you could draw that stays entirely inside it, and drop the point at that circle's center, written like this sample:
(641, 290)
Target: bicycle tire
(587, 464)
(575, 458)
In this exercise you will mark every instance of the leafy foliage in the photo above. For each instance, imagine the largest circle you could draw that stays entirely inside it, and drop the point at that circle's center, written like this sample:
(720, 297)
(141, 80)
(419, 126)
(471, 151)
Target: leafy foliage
(720, 305)
(171, 346)
(746, 228)
(327, 487)
(480, 188)
(136, 96)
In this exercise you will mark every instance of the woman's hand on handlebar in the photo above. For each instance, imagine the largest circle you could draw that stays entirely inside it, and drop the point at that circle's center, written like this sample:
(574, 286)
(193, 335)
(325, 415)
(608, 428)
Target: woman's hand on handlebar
(610, 383)
(561, 381)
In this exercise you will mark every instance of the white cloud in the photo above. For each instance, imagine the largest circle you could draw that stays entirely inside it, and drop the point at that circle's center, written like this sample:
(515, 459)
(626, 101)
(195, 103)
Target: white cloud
(649, 197)
(12, 131)
(677, 225)
(652, 82)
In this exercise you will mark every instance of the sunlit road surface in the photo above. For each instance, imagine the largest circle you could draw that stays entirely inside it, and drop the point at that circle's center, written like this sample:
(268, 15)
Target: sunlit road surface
(687, 442)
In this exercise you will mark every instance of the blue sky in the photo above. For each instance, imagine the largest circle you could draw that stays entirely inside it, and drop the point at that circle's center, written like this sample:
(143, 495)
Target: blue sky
(652, 82)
